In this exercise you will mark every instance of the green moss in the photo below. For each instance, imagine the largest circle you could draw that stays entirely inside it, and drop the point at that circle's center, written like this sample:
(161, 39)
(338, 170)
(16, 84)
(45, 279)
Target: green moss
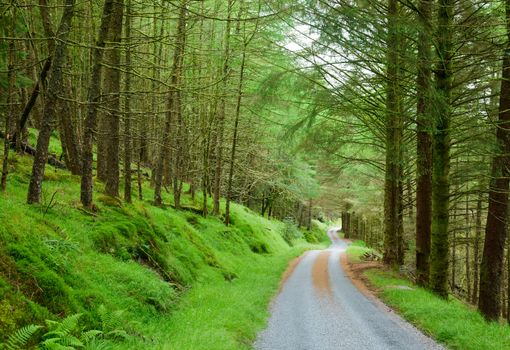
(144, 260)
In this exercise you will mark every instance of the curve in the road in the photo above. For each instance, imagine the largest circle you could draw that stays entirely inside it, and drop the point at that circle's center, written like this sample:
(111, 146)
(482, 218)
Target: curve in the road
(319, 308)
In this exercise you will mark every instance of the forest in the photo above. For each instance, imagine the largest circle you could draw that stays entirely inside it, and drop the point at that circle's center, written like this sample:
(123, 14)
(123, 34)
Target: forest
(183, 145)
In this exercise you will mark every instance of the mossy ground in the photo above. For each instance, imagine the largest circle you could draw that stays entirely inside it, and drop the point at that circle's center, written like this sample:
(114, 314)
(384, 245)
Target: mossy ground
(183, 281)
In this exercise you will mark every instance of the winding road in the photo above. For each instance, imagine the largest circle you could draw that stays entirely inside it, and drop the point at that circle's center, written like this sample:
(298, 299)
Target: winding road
(319, 308)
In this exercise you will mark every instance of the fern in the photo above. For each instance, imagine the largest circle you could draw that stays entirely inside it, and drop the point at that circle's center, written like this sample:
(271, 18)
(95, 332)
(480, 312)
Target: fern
(20, 338)
(54, 344)
(110, 321)
(97, 344)
(66, 326)
(89, 336)
(60, 335)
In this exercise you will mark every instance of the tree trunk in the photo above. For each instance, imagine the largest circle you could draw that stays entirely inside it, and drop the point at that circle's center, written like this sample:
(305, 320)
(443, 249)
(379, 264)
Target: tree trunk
(11, 93)
(309, 221)
(221, 115)
(112, 91)
(127, 110)
(32, 100)
(491, 267)
(468, 252)
(424, 146)
(173, 102)
(234, 137)
(93, 98)
(441, 152)
(393, 153)
(55, 87)
(476, 250)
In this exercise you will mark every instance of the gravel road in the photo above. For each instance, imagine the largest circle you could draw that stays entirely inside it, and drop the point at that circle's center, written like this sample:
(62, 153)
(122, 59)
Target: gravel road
(319, 308)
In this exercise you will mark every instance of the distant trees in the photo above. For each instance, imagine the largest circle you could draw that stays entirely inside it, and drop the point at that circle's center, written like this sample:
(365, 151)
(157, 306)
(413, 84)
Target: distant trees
(420, 76)
(176, 90)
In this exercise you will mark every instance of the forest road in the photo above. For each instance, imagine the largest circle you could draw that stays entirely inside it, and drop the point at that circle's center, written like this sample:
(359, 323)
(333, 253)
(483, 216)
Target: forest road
(319, 308)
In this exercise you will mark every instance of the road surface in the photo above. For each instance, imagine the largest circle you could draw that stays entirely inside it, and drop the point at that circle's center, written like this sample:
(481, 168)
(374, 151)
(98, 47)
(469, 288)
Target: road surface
(319, 308)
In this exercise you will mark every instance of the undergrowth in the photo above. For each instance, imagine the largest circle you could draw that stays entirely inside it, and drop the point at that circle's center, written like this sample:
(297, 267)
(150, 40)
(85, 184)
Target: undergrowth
(451, 322)
(159, 265)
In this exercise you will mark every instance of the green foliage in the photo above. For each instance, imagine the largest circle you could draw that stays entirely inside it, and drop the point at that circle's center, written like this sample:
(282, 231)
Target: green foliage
(136, 258)
(67, 334)
(291, 231)
(317, 233)
(112, 323)
(20, 339)
(357, 249)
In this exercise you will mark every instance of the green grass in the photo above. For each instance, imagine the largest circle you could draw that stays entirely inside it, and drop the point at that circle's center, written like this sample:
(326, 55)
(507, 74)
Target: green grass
(356, 250)
(183, 281)
(451, 322)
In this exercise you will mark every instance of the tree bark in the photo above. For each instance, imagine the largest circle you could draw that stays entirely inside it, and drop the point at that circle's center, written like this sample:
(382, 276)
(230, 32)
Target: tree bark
(392, 196)
(476, 249)
(11, 93)
(424, 146)
(221, 116)
(441, 152)
(173, 102)
(127, 110)
(55, 87)
(112, 91)
(491, 268)
(234, 137)
(93, 98)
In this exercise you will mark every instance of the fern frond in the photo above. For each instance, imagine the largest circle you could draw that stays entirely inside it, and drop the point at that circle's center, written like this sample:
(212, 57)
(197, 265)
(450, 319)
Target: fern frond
(88, 336)
(53, 344)
(52, 325)
(70, 340)
(97, 344)
(110, 321)
(69, 324)
(118, 333)
(20, 338)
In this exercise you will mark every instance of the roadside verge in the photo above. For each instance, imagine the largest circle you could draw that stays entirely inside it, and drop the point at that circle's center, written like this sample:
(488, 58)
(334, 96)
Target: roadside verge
(451, 322)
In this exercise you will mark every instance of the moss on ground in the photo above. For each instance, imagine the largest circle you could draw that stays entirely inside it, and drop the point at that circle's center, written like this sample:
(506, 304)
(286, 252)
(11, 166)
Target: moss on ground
(160, 266)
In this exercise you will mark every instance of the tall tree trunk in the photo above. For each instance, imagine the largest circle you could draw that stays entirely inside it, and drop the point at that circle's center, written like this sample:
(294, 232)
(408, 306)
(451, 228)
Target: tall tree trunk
(127, 109)
(234, 137)
(173, 103)
(441, 151)
(221, 115)
(11, 93)
(468, 251)
(112, 91)
(491, 268)
(476, 249)
(393, 153)
(93, 98)
(69, 135)
(424, 146)
(55, 87)
(39, 85)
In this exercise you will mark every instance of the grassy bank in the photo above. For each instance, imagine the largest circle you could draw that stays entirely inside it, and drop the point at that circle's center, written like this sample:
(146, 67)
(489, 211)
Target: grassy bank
(172, 279)
(451, 322)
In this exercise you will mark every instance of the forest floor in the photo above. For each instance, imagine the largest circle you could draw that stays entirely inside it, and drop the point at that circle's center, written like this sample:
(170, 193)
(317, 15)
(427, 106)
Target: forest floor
(451, 322)
(169, 279)
(320, 309)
